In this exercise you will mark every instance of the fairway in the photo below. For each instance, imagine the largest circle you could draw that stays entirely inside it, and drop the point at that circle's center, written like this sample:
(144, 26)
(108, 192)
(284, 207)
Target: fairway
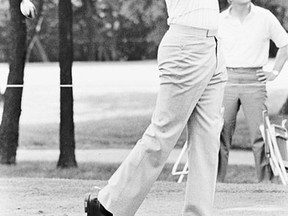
(113, 105)
(58, 197)
(111, 100)
(143, 108)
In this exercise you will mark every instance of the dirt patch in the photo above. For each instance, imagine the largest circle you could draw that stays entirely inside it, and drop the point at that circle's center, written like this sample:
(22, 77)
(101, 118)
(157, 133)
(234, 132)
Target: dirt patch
(58, 197)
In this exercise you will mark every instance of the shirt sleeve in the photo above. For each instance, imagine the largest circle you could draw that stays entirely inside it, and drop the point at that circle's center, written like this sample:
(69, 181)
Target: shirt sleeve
(277, 33)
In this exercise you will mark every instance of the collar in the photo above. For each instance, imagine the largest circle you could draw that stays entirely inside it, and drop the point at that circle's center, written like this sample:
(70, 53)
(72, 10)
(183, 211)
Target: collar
(227, 13)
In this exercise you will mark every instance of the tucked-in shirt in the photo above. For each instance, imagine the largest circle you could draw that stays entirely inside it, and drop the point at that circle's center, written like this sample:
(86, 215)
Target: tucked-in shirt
(246, 44)
(196, 13)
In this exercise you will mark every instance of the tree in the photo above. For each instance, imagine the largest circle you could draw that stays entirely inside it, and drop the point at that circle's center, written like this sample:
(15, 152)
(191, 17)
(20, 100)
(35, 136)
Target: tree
(67, 136)
(9, 129)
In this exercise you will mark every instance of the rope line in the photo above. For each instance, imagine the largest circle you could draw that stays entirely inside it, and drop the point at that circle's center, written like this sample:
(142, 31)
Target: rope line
(22, 85)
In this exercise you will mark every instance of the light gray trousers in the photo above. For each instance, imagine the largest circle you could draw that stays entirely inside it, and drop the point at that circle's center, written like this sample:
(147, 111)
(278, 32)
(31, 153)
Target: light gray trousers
(191, 92)
(243, 89)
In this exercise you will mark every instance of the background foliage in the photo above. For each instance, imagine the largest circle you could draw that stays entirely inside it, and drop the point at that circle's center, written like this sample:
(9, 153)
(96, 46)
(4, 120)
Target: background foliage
(108, 30)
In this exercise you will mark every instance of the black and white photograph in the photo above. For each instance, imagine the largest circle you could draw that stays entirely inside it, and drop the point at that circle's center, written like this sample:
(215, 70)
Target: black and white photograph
(143, 107)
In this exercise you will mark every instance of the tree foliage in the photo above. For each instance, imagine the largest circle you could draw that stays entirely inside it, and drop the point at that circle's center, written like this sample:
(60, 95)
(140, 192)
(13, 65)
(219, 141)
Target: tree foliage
(123, 30)
(117, 29)
(110, 29)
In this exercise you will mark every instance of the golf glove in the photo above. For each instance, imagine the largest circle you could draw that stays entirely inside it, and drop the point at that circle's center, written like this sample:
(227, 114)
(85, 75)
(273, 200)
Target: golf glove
(28, 9)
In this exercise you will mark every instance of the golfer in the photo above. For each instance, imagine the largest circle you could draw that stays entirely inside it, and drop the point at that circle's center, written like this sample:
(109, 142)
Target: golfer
(192, 80)
(245, 31)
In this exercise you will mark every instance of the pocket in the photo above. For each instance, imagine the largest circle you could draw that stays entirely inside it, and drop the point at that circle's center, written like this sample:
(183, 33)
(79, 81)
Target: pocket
(169, 54)
(221, 63)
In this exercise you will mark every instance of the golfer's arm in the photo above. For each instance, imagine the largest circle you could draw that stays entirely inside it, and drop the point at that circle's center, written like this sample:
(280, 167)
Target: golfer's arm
(281, 58)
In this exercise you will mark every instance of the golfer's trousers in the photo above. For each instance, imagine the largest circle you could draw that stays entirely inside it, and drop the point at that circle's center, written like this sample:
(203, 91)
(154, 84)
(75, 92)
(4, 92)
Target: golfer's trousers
(243, 88)
(192, 79)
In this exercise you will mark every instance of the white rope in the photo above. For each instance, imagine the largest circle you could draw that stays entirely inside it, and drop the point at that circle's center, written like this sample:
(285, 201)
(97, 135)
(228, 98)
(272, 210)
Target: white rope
(22, 85)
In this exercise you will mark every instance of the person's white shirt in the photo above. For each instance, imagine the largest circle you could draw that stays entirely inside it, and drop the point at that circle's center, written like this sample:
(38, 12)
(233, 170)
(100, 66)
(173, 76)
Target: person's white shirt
(247, 44)
(195, 13)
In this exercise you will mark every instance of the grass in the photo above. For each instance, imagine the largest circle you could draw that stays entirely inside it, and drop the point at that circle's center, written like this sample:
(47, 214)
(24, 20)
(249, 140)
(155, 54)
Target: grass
(241, 139)
(63, 197)
(93, 171)
(110, 121)
(116, 132)
(120, 132)
(103, 118)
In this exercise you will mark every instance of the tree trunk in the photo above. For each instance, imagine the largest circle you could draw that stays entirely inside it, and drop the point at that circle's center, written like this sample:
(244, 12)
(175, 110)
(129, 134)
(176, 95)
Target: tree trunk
(9, 129)
(88, 4)
(67, 137)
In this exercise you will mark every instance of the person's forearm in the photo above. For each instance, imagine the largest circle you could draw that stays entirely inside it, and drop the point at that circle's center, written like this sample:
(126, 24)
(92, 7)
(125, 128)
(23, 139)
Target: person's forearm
(281, 58)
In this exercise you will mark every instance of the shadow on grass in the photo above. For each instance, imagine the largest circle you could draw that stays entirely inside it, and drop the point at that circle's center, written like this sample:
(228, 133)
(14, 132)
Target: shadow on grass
(96, 171)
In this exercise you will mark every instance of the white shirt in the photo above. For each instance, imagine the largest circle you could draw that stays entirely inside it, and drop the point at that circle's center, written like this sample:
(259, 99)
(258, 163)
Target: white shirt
(196, 13)
(246, 44)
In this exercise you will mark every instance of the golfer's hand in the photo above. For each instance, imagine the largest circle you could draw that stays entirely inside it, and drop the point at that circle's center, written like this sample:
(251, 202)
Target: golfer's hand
(264, 76)
(28, 9)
